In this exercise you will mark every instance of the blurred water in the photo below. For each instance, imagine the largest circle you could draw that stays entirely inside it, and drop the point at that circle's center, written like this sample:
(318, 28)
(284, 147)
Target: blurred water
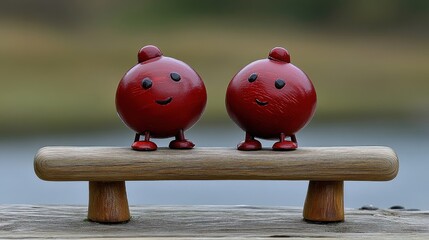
(19, 184)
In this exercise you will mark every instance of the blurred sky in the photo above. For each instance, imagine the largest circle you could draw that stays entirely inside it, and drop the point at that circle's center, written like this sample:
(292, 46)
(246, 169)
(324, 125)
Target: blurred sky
(60, 61)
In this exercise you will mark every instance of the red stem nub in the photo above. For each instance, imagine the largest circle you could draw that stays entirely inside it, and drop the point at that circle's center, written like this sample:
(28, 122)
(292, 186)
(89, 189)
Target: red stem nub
(148, 52)
(279, 54)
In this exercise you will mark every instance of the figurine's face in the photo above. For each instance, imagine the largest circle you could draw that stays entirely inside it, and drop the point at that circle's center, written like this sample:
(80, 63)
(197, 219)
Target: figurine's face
(267, 89)
(269, 97)
(161, 95)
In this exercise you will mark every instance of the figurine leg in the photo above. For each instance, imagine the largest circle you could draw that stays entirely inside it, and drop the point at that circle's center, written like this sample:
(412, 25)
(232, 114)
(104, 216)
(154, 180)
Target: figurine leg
(249, 144)
(181, 142)
(284, 145)
(145, 145)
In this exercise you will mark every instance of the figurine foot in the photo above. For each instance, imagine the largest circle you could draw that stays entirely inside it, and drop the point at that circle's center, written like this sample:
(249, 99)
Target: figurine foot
(249, 145)
(181, 144)
(284, 146)
(144, 146)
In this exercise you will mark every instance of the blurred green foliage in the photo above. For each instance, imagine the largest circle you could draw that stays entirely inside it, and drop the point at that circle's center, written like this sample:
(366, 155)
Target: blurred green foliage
(60, 61)
(361, 14)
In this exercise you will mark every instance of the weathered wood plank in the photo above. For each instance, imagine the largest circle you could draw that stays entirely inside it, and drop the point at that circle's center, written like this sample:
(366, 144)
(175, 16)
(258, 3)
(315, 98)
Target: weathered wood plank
(31, 221)
(123, 164)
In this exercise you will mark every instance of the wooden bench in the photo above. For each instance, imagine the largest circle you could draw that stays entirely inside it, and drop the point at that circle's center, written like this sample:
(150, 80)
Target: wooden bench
(107, 169)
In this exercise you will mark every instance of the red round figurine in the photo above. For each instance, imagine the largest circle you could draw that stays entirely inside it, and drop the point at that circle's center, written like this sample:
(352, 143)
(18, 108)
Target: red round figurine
(160, 97)
(271, 99)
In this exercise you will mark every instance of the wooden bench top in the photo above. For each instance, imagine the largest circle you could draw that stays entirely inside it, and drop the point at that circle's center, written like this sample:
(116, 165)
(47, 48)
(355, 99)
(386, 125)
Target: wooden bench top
(372, 163)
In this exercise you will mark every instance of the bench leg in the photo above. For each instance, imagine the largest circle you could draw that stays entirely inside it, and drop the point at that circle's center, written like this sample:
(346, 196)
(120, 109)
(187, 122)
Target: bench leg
(324, 202)
(108, 202)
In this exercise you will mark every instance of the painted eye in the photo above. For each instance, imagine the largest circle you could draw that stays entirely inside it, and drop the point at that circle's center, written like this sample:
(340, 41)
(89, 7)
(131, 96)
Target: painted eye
(253, 77)
(175, 76)
(279, 83)
(146, 83)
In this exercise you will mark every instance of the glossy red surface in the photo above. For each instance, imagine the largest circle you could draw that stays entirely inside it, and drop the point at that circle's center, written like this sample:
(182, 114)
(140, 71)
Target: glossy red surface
(271, 98)
(160, 97)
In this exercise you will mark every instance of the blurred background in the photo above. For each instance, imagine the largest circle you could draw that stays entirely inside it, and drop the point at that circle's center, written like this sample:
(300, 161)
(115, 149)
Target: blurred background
(61, 61)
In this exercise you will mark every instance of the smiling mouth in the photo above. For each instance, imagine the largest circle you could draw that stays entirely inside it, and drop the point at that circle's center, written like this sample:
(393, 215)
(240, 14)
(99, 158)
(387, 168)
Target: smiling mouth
(165, 101)
(261, 103)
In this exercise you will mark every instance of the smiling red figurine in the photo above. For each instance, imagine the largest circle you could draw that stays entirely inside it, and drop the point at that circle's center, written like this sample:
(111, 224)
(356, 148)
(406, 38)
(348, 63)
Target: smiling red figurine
(160, 97)
(271, 99)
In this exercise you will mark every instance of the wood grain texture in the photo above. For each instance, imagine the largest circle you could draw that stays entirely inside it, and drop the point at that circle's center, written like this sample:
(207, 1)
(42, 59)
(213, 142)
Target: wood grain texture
(202, 222)
(324, 201)
(108, 202)
(123, 164)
